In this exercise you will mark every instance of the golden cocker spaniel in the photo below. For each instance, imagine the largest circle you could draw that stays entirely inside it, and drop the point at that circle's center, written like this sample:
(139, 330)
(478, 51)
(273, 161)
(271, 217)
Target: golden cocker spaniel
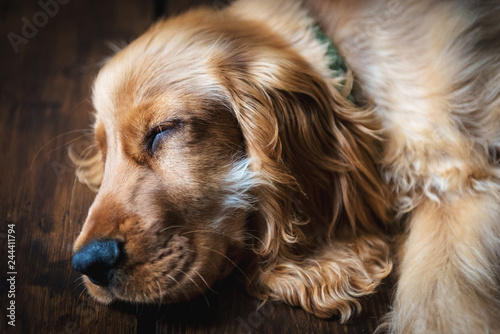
(234, 131)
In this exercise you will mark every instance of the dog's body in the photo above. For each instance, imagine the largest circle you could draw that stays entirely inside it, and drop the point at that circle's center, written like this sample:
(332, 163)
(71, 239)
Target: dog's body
(224, 132)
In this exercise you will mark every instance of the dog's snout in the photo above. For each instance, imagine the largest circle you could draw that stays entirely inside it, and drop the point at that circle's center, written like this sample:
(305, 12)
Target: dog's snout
(98, 259)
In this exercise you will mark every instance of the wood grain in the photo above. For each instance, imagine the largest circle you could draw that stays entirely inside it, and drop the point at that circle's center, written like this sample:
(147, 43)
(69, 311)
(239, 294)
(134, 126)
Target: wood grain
(44, 108)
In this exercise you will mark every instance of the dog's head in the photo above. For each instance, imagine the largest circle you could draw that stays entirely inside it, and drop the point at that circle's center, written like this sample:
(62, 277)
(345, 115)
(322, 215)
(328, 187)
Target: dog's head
(219, 134)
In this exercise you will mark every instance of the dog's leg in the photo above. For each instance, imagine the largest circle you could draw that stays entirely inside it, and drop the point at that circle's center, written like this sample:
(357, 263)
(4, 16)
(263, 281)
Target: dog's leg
(331, 281)
(440, 105)
(449, 267)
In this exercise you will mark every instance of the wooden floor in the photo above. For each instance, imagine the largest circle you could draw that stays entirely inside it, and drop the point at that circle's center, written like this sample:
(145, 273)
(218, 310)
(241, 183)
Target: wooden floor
(48, 58)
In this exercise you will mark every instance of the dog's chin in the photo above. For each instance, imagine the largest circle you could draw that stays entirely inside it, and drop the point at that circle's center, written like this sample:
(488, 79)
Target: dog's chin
(109, 295)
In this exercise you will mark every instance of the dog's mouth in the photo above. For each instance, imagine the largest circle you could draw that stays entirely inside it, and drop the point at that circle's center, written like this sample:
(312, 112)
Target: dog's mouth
(113, 271)
(177, 267)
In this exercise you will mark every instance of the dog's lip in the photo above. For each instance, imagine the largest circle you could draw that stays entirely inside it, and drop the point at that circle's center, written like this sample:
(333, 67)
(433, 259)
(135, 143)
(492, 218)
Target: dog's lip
(95, 282)
(102, 283)
(122, 277)
(102, 294)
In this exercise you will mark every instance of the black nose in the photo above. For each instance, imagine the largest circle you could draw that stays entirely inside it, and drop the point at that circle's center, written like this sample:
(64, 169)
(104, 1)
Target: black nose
(98, 258)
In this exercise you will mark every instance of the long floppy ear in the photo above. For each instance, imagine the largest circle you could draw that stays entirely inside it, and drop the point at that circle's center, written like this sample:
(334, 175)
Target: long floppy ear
(320, 208)
(315, 149)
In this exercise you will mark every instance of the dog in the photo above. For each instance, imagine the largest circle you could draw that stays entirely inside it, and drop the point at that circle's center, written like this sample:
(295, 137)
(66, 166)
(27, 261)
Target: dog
(237, 135)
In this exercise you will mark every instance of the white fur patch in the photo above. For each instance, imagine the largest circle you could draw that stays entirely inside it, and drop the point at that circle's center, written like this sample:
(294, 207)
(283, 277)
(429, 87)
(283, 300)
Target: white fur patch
(240, 181)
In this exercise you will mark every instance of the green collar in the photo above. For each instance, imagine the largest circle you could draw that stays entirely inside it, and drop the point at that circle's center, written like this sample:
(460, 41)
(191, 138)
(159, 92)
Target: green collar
(337, 64)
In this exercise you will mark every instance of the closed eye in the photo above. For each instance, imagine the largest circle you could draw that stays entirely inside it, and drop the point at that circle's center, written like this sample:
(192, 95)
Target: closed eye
(160, 133)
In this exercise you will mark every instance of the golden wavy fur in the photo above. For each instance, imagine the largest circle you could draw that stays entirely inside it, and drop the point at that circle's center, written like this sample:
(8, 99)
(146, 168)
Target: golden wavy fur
(222, 133)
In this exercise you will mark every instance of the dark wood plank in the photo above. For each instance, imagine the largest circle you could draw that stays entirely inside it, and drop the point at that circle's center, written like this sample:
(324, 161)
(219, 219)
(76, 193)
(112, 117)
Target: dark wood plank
(231, 310)
(44, 102)
(44, 107)
(172, 7)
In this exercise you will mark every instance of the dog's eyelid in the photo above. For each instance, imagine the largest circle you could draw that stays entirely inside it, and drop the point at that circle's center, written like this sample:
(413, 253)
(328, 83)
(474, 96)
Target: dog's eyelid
(164, 126)
(158, 132)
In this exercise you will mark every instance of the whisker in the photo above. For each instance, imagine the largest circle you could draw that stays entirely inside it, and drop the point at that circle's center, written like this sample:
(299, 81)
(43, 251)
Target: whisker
(201, 290)
(78, 279)
(85, 131)
(208, 286)
(78, 285)
(170, 227)
(225, 256)
(211, 231)
(81, 293)
(248, 235)
(211, 262)
(179, 286)
(160, 296)
(67, 143)
(89, 147)
(151, 292)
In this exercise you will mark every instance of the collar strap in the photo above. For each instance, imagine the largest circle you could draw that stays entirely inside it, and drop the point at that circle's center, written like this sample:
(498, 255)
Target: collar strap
(336, 64)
